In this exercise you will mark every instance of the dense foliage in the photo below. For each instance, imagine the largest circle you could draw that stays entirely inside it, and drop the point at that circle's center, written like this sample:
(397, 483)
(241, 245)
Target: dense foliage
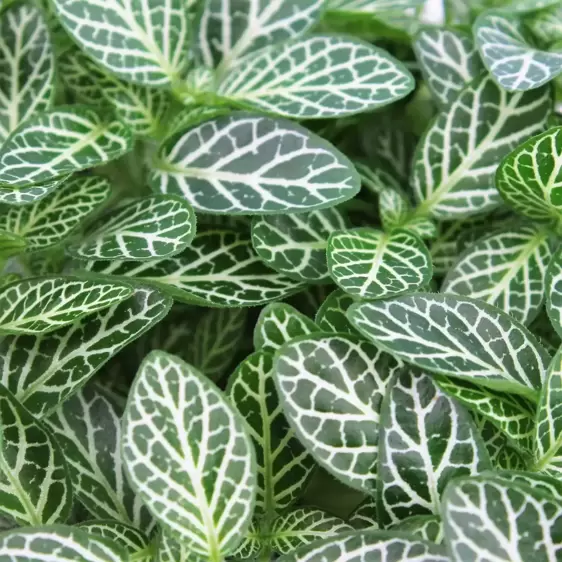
(280, 279)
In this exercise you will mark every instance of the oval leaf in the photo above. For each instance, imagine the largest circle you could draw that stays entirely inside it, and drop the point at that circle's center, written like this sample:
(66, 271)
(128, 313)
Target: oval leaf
(554, 291)
(126, 536)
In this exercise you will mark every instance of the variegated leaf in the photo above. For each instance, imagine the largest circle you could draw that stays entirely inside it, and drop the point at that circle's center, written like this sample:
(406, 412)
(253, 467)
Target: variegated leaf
(364, 516)
(502, 454)
(546, 25)
(129, 538)
(283, 464)
(331, 387)
(317, 77)
(232, 164)
(252, 545)
(458, 337)
(554, 291)
(426, 527)
(375, 7)
(30, 194)
(169, 549)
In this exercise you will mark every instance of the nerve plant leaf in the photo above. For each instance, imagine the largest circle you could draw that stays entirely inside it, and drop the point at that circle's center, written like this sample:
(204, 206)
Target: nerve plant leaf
(331, 316)
(554, 291)
(43, 371)
(34, 485)
(27, 66)
(426, 439)
(244, 163)
(51, 220)
(489, 519)
(130, 539)
(456, 336)
(331, 388)
(188, 456)
(426, 527)
(484, 124)
(143, 43)
(220, 268)
(508, 54)
(31, 193)
(506, 269)
(88, 428)
(283, 464)
(448, 60)
(370, 264)
(319, 76)
(141, 229)
(65, 139)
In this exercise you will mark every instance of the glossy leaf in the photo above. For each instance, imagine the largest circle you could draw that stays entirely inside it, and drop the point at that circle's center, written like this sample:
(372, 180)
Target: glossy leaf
(232, 164)
(457, 157)
(168, 549)
(319, 76)
(426, 527)
(188, 456)
(30, 194)
(456, 336)
(331, 387)
(148, 228)
(63, 140)
(331, 315)
(126, 536)
(554, 291)
(369, 264)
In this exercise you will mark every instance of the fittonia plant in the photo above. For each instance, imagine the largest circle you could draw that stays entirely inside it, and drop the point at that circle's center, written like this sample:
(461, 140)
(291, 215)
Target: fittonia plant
(280, 280)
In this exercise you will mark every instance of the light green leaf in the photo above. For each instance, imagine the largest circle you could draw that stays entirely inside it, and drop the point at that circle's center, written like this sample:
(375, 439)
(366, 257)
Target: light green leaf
(27, 66)
(331, 387)
(168, 549)
(554, 291)
(43, 371)
(426, 439)
(510, 56)
(88, 428)
(49, 221)
(57, 542)
(283, 464)
(529, 178)
(279, 323)
(370, 264)
(458, 337)
(448, 60)
(303, 526)
(317, 77)
(296, 244)
(375, 546)
(142, 229)
(426, 527)
(546, 25)
(126, 536)
(41, 305)
(34, 485)
(10, 245)
(232, 164)
(252, 544)
(220, 268)
(331, 314)
(506, 269)
(483, 124)
(143, 43)
(63, 140)
(7, 278)
(489, 519)
(188, 456)
(226, 30)
(30, 194)
(376, 7)
(522, 6)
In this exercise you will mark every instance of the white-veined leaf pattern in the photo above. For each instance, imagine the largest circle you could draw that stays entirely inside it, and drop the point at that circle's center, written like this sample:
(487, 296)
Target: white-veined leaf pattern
(554, 291)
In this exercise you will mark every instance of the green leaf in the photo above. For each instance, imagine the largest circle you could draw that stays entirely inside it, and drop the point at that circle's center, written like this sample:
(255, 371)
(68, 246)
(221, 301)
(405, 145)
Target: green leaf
(448, 60)
(554, 291)
(57, 542)
(10, 245)
(378, 546)
(63, 140)
(331, 388)
(27, 66)
(487, 519)
(283, 464)
(30, 194)
(41, 305)
(522, 6)
(296, 244)
(226, 31)
(279, 323)
(88, 428)
(365, 515)
(34, 485)
(43, 371)
(539, 482)
(168, 549)
(220, 268)
(141, 229)
(506, 269)
(508, 54)
(252, 544)
(51, 220)
(7, 278)
(188, 456)
(546, 25)
(529, 177)
(426, 439)
(317, 77)
(145, 43)
(458, 337)
(129, 538)
(484, 124)
(502, 454)
(370, 264)
(426, 527)
(331, 315)
(232, 164)
(303, 526)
